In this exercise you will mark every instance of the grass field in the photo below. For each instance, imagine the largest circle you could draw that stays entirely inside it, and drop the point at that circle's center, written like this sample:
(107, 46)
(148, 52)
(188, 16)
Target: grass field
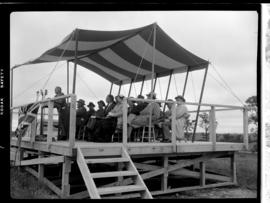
(25, 186)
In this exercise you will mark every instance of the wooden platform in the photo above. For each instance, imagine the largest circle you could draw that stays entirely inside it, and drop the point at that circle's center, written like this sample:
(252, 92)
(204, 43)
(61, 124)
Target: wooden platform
(134, 148)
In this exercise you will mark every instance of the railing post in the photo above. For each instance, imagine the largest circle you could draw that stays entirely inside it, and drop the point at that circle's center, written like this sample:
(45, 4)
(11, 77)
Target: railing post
(124, 140)
(213, 127)
(72, 122)
(33, 131)
(50, 123)
(245, 127)
(173, 126)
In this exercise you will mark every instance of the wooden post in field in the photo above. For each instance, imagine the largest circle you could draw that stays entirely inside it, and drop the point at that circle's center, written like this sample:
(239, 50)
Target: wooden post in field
(245, 127)
(174, 127)
(66, 168)
(202, 173)
(72, 122)
(213, 127)
(125, 122)
(50, 123)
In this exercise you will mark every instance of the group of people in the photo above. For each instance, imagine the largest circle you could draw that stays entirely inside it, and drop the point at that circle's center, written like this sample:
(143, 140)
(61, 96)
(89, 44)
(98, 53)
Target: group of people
(99, 125)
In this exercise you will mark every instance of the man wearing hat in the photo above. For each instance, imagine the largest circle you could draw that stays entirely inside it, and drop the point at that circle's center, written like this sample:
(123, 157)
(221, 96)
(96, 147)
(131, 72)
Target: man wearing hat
(81, 116)
(91, 110)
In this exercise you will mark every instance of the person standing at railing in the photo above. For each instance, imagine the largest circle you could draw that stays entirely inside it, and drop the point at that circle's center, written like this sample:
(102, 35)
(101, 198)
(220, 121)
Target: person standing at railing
(60, 105)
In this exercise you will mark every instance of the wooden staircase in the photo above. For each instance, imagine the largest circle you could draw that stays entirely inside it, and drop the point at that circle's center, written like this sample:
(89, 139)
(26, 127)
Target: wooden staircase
(137, 189)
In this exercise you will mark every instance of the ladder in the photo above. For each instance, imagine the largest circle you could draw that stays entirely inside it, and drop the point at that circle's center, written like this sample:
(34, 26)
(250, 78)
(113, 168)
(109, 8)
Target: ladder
(137, 189)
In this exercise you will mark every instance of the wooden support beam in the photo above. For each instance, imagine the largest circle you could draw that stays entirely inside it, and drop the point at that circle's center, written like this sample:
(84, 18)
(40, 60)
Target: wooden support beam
(72, 122)
(66, 169)
(164, 177)
(67, 77)
(120, 85)
(130, 87)
(50, 124)
(212, 127)
(33, 131)
(168, 88)
(124, 140)
(161, 192)
(40, 167)
(173, 127)
(194, 174)
(202, 173)
(146, 167)
(245, 127)
(52, 186)
(43, 160)
(233, 168)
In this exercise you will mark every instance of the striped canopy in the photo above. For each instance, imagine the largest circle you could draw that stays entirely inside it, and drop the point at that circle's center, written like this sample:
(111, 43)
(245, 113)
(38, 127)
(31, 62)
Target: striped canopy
(124, 56)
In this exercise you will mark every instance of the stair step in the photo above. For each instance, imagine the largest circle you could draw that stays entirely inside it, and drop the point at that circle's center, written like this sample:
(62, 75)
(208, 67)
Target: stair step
(120, 189)
(113, 174)
(106, 160)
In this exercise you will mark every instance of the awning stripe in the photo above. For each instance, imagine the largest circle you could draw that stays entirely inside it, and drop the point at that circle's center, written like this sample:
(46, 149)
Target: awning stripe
(117, 60)
(126, 53)
(100, 60)
(136, 44)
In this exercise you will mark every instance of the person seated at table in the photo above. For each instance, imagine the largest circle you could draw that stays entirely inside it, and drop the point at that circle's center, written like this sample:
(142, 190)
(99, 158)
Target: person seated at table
(81, 115)
(143, 118)
(181, 112)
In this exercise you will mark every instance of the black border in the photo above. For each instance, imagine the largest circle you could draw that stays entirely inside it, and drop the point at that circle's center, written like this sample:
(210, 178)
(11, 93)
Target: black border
(7, 8)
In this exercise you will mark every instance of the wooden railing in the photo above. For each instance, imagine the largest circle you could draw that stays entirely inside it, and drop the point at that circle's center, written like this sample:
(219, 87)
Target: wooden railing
(50, 104)
(212, 117)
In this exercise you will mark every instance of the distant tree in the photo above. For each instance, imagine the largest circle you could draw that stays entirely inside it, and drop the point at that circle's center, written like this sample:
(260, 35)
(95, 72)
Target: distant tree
(205, 124)
(253, 114)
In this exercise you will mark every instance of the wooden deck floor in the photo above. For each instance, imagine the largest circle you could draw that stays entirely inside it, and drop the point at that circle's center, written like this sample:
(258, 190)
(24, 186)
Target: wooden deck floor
(134, 148)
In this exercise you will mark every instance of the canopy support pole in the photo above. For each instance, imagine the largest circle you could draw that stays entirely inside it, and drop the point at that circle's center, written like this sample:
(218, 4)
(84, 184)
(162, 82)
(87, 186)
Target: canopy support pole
(129, 91)
(67, 77)
(155, 83)
(111, 88)
(153, 70)
(120, 85)
(185, 85)
(75, 62)
(142, 85)
(11, 98)
(168, 88)
(198, 110)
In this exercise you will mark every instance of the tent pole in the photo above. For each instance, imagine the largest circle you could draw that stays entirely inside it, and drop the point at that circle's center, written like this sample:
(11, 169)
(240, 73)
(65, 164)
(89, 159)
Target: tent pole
(155, 82)
(153, 70)
(11, 98)
(129, 91)
(111, 88)
(75, 62)
(198, 110)
(168, 88)
(67, 77)
(142, 85)
(120, 85)
(185, 85)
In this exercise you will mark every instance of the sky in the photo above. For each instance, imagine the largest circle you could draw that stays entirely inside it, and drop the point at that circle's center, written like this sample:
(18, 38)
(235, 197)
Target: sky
(228, 39)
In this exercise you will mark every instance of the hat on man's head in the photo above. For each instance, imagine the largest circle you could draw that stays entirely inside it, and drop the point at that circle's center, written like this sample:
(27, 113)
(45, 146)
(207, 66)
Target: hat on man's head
(180, 97)
(140, 96)
(154, 95)
(81, 101)
(101, 102)
(91, 104)
(120, 96)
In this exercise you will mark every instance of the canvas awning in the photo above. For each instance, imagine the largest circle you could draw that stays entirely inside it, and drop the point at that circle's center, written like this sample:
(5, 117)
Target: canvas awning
(122, 56)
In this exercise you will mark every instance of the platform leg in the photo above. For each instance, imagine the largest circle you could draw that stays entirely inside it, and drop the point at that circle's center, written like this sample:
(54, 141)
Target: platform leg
(40, 167)
(233, 168)
(202, 174)
(164, 177)
(65, 177)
